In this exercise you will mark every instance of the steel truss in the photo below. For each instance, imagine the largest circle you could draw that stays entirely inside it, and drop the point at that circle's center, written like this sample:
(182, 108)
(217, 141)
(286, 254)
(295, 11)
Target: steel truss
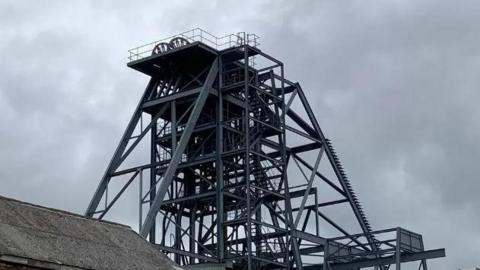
(218, 189)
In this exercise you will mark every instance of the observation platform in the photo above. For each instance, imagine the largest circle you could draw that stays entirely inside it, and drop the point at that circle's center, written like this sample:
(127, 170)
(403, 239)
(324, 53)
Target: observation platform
(189, 51)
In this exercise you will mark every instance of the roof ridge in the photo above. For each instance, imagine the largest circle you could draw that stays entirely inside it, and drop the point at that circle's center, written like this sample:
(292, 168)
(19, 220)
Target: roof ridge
(63, 212)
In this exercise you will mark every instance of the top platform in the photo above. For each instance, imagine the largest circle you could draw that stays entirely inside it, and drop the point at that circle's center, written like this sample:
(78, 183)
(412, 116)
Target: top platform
(192, 57)
(193, 36)
(192, 50)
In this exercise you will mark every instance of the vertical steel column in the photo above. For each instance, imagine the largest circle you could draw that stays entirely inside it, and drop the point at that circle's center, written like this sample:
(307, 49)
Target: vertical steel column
(140, 201)
(423, 262)
(317, 229)
(397, 250)
(153, 175)
(290, 240)
(193, 217)
(178, 231)
(326, 251)
(247, 160)
(200, 233)
(173, 117)
(219, 167)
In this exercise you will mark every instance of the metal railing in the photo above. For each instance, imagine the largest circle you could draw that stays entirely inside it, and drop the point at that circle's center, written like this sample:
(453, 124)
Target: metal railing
(409, 241)
(197, 34)
(344, 247)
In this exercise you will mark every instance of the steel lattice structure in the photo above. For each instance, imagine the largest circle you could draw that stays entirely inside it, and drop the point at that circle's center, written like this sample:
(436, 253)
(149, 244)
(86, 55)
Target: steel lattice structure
(218, 189)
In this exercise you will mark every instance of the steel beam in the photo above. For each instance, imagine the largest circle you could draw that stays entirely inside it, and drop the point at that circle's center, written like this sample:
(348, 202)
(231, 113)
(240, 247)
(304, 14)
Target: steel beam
(318, 130)
(219, 169)
(93, 205)
(169, 174)
(309, 186)
(364, 263)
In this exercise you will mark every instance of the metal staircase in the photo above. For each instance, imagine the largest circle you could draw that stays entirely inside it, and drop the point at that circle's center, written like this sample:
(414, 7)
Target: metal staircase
(349, 189)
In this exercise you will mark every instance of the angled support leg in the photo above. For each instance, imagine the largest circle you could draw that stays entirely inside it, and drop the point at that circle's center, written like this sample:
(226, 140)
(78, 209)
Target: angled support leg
(318, 130)
(115, 161)
(187, 132)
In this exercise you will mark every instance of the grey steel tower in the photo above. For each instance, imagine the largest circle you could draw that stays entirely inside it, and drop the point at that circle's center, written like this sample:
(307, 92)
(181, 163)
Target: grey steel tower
(229, 177)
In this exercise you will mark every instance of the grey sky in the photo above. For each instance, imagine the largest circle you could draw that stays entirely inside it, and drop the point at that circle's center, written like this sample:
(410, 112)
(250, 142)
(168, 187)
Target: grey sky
(394, 85)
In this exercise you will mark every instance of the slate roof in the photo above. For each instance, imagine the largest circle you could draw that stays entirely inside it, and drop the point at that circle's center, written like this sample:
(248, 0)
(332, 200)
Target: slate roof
(62, 238)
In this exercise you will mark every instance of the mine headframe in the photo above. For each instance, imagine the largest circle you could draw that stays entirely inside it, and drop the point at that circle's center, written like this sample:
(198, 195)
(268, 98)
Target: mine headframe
(227, 178)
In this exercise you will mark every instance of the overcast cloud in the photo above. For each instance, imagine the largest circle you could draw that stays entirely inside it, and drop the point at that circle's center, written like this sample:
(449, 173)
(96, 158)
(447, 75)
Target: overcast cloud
(394, 83)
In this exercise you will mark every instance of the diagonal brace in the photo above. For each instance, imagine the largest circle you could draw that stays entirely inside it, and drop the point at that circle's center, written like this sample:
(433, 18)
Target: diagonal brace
(309, 186)
(119, 151)
(170, 172)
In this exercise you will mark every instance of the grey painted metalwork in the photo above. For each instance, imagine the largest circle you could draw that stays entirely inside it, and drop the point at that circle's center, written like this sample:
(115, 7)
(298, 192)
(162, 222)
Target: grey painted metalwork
(230, 179)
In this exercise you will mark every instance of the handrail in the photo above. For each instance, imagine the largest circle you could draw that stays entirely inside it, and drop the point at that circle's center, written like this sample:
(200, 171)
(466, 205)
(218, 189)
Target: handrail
(200, 35)
(405, 240)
